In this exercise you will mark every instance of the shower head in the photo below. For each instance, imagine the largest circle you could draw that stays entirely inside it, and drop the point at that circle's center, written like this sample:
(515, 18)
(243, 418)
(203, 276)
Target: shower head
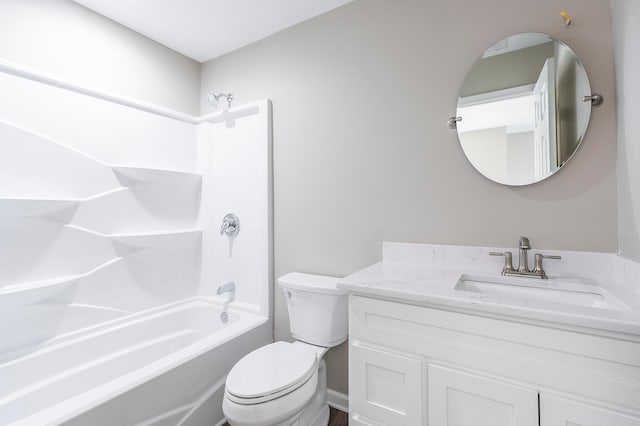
(214, 99)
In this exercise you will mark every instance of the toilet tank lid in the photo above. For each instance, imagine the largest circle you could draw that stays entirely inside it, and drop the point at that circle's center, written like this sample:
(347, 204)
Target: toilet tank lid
(311, 283)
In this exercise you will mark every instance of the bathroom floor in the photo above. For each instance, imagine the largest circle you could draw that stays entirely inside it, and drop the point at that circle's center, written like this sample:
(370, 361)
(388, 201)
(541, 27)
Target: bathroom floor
(336, 418)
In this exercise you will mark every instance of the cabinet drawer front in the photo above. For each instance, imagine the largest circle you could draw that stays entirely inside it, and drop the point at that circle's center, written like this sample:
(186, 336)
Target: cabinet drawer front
(457, 398)
(385, 386)
(557, 411)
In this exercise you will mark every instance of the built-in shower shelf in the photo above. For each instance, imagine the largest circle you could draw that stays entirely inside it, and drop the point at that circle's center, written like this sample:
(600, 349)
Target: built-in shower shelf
(16, 207)
(35, 291)
(139, 235)
(142, 239)
(154, 234)
(135, 175)
(150, 239)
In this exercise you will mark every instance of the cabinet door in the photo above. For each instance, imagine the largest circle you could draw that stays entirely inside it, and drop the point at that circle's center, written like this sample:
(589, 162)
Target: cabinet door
(457, 398)
(556, 411)
(384, 388)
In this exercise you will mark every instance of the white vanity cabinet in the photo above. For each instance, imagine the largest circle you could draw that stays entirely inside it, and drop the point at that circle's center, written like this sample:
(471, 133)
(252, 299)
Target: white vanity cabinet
(417, 365)
(558, 411)
(460, 398)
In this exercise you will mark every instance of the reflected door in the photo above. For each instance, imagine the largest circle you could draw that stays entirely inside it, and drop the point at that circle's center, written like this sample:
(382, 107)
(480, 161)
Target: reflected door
(544, 131)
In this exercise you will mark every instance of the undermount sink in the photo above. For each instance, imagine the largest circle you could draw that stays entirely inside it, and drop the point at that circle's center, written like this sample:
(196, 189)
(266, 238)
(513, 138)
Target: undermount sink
(523, 289)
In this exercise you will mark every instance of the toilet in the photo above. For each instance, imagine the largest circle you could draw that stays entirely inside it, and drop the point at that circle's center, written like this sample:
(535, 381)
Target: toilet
(285, 383)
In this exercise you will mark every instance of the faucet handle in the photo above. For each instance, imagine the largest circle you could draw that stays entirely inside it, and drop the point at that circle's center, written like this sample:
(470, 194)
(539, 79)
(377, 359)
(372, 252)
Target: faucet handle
(548, 256)
(537, 268)
(508, 260)
(230, 225)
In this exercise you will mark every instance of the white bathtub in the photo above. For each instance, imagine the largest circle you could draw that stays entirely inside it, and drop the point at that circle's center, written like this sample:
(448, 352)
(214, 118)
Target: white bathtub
(163, 367)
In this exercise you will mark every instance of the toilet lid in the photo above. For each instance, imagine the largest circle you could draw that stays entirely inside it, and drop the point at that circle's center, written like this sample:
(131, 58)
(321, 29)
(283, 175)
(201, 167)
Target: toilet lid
(271, 370)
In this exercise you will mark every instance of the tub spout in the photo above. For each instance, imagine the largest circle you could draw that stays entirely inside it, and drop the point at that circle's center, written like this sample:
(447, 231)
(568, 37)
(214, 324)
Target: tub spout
(230, 286)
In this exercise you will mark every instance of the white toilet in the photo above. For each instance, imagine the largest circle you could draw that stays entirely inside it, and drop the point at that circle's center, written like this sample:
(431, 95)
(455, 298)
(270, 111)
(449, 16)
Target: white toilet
(285, 383)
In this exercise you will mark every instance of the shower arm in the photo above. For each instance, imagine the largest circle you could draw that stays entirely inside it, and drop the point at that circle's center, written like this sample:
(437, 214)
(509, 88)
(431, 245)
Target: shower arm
(214, 99)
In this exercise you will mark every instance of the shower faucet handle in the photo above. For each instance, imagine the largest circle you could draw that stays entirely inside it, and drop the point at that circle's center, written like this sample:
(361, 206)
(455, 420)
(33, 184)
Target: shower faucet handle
(230, 225)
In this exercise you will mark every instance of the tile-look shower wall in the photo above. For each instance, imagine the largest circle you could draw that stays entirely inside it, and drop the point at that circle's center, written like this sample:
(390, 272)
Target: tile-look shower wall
(626, 33)
(362, 153)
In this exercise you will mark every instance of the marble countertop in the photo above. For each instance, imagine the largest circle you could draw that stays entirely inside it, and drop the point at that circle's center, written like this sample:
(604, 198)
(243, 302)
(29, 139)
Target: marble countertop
(430, 282)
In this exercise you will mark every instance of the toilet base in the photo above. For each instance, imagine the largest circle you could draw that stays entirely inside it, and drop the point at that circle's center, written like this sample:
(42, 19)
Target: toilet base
(316, 413)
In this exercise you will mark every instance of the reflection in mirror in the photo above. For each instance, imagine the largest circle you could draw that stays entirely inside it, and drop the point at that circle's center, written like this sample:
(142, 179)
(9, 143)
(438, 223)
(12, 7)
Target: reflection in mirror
(522, 111)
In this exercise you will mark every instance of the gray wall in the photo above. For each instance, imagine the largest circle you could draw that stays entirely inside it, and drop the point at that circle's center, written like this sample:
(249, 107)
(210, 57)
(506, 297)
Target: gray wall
(66, 40)
(626, 30)
(362, 153)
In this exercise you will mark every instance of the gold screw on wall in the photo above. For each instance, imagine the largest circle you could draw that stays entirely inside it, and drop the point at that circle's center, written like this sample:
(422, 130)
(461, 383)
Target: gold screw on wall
(566, 17)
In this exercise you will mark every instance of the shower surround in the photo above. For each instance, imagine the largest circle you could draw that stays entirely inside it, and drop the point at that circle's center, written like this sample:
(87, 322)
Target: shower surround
(110, 254)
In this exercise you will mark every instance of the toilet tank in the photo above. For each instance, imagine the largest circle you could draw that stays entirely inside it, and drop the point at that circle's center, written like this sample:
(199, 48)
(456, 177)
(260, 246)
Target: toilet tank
(318, 311)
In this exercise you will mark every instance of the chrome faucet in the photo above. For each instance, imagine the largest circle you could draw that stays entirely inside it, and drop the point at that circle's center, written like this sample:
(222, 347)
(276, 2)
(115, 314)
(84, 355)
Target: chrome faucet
(228, 287)
(523, 267)
(523, 246)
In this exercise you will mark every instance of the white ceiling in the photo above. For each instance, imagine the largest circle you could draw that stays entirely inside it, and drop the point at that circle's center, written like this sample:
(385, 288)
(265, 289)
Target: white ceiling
(206, 29)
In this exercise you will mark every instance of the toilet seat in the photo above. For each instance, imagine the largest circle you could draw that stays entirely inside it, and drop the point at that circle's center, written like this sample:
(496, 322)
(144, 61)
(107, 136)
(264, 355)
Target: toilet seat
(275, 411)
(271, 372)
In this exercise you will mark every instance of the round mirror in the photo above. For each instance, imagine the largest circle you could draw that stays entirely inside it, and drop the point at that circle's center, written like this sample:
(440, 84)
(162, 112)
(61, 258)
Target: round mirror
(521, 114)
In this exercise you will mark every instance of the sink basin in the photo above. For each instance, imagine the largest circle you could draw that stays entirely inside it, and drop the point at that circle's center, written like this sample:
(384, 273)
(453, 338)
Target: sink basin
(554, 291)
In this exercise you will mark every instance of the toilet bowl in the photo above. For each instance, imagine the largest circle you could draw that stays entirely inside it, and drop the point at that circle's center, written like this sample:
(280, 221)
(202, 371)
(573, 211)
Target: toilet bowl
(285, 383)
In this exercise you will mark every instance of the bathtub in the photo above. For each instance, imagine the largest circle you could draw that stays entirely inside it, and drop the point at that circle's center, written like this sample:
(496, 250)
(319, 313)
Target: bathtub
(166, 366)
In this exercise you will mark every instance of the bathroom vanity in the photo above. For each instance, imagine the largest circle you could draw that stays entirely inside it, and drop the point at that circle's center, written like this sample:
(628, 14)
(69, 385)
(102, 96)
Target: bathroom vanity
(438, 337)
